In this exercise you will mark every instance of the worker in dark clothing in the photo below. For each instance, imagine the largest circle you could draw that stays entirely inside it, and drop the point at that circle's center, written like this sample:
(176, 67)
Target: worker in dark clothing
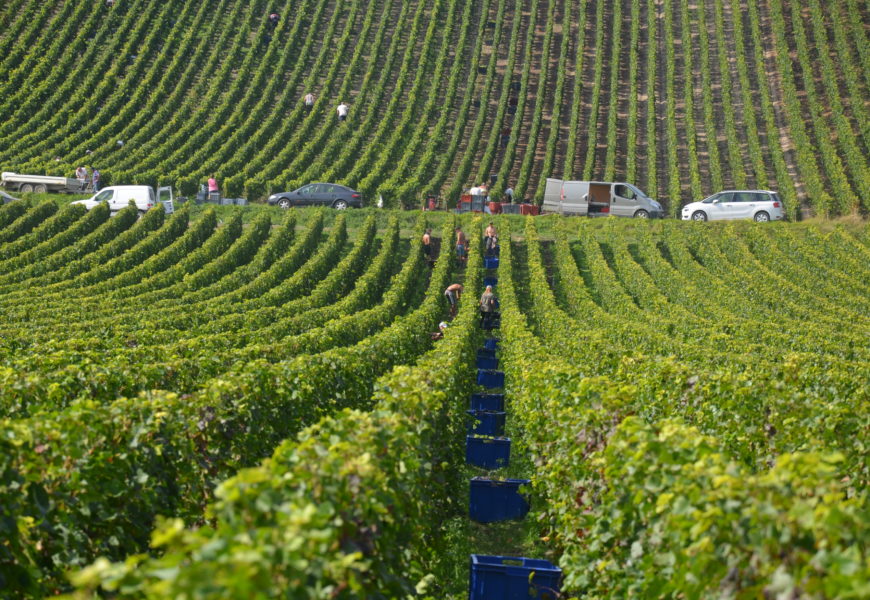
(488, 304)
(442, 327)
(427, 247)
(490, 240)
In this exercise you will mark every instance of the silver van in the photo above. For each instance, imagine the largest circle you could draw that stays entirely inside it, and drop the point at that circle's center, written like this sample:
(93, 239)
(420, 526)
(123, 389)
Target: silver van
(599, 199)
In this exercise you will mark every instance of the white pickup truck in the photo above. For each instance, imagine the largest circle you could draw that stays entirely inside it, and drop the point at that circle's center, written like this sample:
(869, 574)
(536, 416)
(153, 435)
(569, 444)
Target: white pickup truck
(44, 183)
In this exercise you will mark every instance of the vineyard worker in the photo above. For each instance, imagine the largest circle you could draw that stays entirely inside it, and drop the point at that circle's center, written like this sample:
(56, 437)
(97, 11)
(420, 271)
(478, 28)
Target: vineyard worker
(427, 247)
(509, 194)
(273, 20)
(82, 176)
(309, 101)
(461, 245)
(342, 112)
(487, 306)
(95, 180)
(212, 185)
(442, 327)
(453, 294)
(490, 239)
(484, 190)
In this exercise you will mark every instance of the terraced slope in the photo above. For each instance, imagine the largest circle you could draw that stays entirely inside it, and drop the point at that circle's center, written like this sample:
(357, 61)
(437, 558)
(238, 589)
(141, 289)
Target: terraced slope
(681, 98)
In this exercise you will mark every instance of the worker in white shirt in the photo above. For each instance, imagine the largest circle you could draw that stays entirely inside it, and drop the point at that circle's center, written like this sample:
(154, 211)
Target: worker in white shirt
(342, 111)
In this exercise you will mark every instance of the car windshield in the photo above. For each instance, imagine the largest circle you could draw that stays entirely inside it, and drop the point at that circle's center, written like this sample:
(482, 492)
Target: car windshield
(711, 199)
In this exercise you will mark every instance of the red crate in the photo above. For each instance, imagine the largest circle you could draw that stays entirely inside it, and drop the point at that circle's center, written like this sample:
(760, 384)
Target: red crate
(528, 209)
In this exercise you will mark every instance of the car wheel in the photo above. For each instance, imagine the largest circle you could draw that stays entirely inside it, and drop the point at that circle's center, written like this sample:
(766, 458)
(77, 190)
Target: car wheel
(339, 204)
(284, 203)
(641, 214)
(699, 215)
(26, 188)
(762, 217)
(40, 189)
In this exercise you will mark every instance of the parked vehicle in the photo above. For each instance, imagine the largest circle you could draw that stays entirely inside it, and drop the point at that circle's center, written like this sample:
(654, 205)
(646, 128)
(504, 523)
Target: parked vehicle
(118, 196)
(599, 199)
(44, 183)
(319, 194)
(760, 205)
(6, 198)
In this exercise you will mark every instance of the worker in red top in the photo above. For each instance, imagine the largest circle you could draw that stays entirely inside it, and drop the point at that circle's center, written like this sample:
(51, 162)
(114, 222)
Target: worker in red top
(213, 185)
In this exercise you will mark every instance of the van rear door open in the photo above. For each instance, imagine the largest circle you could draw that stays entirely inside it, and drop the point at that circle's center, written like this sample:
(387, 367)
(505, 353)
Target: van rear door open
(599, 198)
(164, 197)
(553, 195)
(576, 198)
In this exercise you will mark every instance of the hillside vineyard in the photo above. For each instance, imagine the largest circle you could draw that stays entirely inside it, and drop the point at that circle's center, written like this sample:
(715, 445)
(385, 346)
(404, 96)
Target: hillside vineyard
(200, 409)
(681, 98)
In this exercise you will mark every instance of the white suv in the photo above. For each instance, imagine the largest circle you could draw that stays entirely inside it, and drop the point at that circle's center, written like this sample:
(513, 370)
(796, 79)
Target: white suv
(760, 205)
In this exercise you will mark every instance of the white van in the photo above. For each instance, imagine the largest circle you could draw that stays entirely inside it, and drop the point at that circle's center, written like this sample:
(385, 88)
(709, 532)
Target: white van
(598, 199)
(118, 196)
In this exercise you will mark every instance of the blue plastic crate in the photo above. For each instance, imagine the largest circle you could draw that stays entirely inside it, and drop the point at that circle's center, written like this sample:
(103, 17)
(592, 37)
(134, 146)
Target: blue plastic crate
(487, 452)
(486, 422)
(487, 362)
(490, 262)
(493, 281)
(490, 343)
(491, 501)
(487, 401)
(513, 578)
(484, 353)
(490, 379)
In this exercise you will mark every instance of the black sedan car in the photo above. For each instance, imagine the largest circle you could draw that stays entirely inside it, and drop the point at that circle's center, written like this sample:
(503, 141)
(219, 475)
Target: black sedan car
(319, 194)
